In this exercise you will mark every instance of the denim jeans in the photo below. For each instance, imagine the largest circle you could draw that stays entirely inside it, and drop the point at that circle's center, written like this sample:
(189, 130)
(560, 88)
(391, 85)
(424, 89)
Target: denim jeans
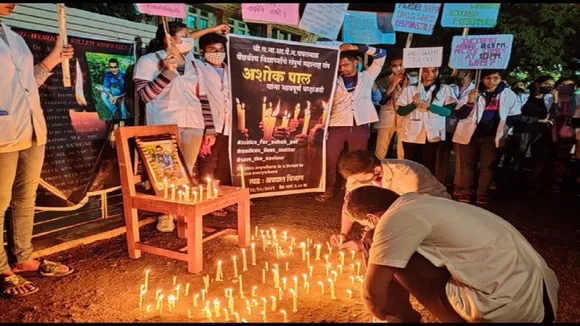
(114, 107)
(18, 184)
(482, 150)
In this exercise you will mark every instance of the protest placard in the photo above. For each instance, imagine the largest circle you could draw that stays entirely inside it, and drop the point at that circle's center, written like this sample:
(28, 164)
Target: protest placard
(417, 18)
(476, 15)
(176, 10)
(423, 57)
(271, 13)
(363, 27)
(281, 93)
(323, 19)
(333, 44)
(481, 51)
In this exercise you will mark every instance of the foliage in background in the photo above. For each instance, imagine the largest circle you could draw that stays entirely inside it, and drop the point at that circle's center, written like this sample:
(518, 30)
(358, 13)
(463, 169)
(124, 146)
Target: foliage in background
(98, 64)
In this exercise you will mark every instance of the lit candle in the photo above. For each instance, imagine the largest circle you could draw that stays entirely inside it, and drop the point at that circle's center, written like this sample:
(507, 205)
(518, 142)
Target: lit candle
(352, 253)
(311, 270)
(263, 276)
(242, 176)
(171, 302)
(351, 267)
(330, 251)
(340, 269)
(318, 247)
(226, 315)
(206, 281)
(321, 287)
(216, 308)
(285, 236)
(358, 268)
(194, 196)
(335, 275)
(256, 231)
(328, 245)
(195, 299)
(237, 317)
(200, 193)
(277, 252)
(244, 261)
(254, 253)
(280, 293)
(160, 303)
(208, 188)
(295, 278)
(165, 188)
(326, 258)
(349, 292)
(274, 306)
(327, 269)
(254, 288)
(263, 243)
(203, 292)
(209, 316)
(157, 294)
(308, 258)
(285, 118)
(276, 279)
(296, 111)
(177, 292)
(148, 308)
(332, 294)
(174, 280)
(186, 192)
(266, 265)
(290, 250)
(352, 279)
(303, 246)
(172, 192)
(307, 286)
(264, 109)
(305, 278)
(293, 241)
(284, 283)
(285, 315)
(235, 266)
(264, 305)
(187, 285)
(264, 319)
(219, 273)
(141, 297)
(287, 266)
(241, 286)
(306, 121)
(294, 300)
(180, 195)
(215, 193)
(147, 280)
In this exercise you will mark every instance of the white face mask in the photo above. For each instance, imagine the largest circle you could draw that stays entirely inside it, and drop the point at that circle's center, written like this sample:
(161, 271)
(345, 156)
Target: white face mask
(397, 69)
(216, 58)
(185, 46)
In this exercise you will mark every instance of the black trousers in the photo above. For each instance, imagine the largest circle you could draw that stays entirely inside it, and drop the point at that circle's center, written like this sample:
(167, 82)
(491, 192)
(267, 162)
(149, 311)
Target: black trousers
(425, 154)
(482, 150)
(426, 283)
(217, 164)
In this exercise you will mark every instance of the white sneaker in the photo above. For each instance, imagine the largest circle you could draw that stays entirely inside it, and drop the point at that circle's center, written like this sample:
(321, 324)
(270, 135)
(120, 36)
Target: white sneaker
(165, 223)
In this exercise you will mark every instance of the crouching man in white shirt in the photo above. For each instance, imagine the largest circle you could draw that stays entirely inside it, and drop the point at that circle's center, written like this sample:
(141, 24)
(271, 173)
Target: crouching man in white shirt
(461, 262)
(363, 168)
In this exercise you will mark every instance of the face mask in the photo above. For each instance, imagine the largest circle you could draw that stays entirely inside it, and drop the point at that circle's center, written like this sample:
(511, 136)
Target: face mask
(545, 89)
(566, 89)
(397, 69)
(518, 90)
(185, 46)
(216, 58)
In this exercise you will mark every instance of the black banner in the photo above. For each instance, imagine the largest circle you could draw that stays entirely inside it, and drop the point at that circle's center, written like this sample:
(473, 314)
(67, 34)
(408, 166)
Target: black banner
(79, 158)
(281, 93)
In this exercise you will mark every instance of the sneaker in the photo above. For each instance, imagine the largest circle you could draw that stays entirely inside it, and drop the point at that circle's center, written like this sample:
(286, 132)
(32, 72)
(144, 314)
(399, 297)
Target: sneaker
(165, 223)
(324, 196)
(464, 199)
(482, 200)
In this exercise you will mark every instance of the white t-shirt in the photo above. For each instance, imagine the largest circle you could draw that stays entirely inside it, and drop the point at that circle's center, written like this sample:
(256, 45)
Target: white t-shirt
(496, 275)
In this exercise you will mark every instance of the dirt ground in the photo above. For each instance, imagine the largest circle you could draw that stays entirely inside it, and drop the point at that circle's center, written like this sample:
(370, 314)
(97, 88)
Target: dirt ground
(106, 284)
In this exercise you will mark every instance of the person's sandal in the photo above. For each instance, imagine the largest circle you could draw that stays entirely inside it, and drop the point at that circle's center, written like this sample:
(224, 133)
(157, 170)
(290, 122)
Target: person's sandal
(48, 269)
(14, 281)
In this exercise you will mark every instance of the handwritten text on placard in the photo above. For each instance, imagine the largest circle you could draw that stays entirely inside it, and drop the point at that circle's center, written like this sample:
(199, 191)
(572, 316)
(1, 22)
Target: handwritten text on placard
(417, 18)
(176, 10)
(323, 19)
(279, 13)
(423, 57)
(477, 15)
(481, 51)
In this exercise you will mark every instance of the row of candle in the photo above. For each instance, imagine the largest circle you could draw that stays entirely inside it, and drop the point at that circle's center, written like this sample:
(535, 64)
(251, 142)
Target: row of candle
(186, 195)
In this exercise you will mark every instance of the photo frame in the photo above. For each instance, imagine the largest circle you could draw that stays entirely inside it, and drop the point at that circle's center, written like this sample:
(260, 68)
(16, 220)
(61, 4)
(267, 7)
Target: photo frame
(162, 158)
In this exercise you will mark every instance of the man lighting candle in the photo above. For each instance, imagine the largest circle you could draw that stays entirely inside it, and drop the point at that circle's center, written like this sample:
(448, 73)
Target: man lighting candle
(461, 262)
(362, 168)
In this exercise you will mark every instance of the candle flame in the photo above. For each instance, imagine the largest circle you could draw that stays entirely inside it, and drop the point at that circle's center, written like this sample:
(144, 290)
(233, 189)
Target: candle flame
(264, 99)
(237, 100)
(307, 105)
(275, 113)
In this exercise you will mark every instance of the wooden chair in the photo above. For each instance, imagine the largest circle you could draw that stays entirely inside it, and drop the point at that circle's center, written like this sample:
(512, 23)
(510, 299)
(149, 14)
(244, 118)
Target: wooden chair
(190, 215)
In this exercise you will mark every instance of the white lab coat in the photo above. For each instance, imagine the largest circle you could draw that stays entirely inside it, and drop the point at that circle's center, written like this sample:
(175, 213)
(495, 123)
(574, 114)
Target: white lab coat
(178, 104)
(388, 117)
(358, 104)
(508, 105)
(420, 126)
(218, 94)
(20, 98)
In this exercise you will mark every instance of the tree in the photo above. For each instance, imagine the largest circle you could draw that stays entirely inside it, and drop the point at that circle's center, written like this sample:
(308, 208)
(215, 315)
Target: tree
(119, 9)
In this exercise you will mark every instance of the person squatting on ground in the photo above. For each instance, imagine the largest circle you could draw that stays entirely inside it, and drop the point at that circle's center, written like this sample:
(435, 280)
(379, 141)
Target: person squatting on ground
(461, 262)
(363, 168)
(113, 90)
(169, 81)
(484, 119)
(352, 108)
(425, 109)
(23, 136)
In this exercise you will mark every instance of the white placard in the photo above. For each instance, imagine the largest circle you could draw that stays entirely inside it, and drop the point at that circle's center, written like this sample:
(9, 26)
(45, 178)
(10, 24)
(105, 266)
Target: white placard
(323, 19)
(481, 51)
(423, 57)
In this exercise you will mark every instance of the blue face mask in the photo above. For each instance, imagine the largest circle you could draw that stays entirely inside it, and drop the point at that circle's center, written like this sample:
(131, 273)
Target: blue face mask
(359, 67)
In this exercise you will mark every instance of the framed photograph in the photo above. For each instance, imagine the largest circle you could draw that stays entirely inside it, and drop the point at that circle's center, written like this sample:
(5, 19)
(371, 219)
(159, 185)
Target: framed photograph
(163, 162)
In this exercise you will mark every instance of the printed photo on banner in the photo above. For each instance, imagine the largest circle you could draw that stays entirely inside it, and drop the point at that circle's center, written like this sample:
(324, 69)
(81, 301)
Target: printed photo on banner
(271, 13)
(78, 156)
(470, 15)
(107, 79)
(281, 93)
(323, 19)
(363, 27)
(481, 51)
(163, 162)
(423, 57)
(416, 18)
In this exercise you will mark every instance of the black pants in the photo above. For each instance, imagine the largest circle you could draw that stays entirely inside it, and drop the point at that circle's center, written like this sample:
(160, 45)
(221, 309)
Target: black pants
(542, 149)
(480, 149)
(426, 283)
(425, 154)
(443, 158)
(217, 164)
